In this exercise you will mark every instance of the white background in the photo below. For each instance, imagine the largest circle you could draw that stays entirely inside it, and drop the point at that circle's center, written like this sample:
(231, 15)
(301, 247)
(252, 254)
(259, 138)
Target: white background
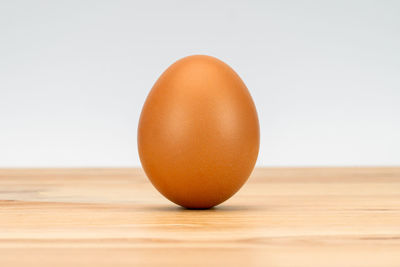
(325, 76)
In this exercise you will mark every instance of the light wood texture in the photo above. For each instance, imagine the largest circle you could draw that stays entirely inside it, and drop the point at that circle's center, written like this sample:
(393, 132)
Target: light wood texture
(281, 217)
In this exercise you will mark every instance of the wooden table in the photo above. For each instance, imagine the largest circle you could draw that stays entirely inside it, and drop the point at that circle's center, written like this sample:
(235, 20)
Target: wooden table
(281, 217)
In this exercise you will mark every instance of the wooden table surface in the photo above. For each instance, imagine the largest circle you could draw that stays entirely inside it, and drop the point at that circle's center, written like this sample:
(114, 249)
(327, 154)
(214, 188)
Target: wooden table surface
(281, 217)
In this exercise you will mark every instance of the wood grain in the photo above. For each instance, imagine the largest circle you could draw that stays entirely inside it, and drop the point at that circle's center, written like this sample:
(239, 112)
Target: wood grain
(281, 217)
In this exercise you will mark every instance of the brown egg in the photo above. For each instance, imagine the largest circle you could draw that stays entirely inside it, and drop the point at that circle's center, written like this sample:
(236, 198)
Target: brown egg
(198, 134)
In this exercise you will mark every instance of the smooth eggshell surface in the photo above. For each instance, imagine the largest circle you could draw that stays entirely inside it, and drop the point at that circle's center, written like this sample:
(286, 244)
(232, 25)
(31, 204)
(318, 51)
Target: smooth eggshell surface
(198, 134)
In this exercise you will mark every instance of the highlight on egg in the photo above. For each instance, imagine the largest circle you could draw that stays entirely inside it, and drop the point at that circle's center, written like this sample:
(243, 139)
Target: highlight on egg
(198, 133)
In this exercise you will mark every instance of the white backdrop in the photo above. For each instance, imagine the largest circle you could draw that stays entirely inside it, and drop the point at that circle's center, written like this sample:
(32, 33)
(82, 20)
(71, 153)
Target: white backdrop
(325, 76)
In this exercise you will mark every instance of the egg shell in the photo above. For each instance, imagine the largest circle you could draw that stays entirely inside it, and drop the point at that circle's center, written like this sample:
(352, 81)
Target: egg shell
(198, 133)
